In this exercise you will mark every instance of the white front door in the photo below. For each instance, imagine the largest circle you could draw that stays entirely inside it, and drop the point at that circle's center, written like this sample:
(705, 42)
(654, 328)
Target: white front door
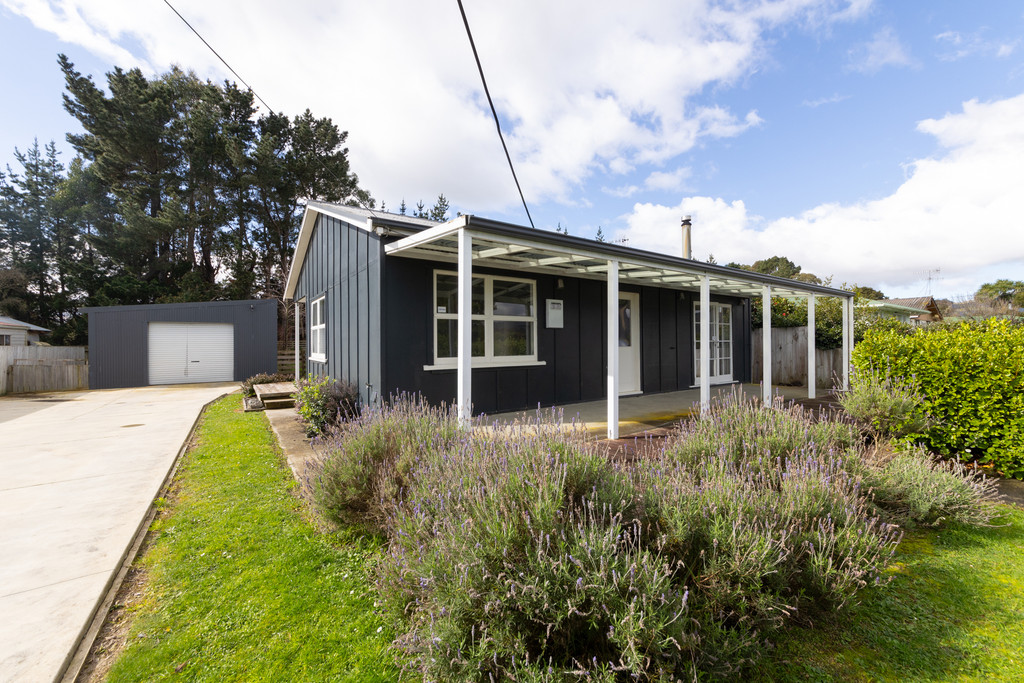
(629, 343)
(721, 343)
(183, 353)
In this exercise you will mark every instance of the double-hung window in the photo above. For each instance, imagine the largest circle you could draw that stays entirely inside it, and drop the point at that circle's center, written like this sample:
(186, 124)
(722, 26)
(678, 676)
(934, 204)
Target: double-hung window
(318, 330)
(5, 340)
(503, 319)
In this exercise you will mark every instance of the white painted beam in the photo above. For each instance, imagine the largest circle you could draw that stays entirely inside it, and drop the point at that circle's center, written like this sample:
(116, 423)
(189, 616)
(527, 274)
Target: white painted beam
(812, 351)
(766, 343)
(502, 251)
(705, 344)
(464, 358)
(613, 349)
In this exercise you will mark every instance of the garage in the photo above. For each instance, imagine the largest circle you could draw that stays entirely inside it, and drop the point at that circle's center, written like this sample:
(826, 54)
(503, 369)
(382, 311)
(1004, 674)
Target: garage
(181, 343)
(183, 353)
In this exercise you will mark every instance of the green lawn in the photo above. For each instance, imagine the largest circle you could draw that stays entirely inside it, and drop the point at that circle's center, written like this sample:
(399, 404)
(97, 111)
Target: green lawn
(954, 611)
(240, 584)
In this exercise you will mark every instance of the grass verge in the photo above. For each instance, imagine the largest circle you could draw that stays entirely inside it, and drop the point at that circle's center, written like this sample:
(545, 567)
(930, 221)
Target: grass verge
(953, 612)
(240, 585)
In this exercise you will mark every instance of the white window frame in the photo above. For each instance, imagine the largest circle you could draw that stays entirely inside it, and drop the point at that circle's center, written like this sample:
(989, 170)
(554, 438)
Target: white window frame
(488, 318)
(318, 323)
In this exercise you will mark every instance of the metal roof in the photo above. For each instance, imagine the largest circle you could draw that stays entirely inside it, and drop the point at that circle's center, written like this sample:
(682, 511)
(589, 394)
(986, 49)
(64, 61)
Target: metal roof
(514, 247)
(6, 321)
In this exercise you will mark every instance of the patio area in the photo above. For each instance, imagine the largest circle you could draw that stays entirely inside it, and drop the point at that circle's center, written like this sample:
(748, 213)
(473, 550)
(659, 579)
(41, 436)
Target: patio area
(640, 413)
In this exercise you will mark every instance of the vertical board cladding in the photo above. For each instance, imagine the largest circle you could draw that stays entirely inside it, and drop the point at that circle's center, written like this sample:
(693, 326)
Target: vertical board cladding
(574, 356)
(119, 337)
(342, 264)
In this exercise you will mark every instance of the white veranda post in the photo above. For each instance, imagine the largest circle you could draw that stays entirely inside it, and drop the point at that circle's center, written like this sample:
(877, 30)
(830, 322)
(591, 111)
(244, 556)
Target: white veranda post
(812, 352)
(847, 340)
(705, 343)
(613, 349)
(298, 336)
(766, 343)
(464, 353)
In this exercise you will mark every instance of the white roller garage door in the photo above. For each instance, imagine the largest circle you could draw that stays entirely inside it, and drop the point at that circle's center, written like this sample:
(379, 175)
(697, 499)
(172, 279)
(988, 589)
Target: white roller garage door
(182, 353)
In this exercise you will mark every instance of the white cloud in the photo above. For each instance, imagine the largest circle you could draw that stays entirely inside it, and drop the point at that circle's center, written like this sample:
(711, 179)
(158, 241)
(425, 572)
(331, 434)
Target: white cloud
(834, 99)
(885, 49)
(957, 45)
(959, 211)
(582, 87)
(663, 181)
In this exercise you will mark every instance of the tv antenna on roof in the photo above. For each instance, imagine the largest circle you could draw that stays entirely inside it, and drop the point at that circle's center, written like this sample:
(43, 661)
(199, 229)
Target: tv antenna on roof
(932, 274)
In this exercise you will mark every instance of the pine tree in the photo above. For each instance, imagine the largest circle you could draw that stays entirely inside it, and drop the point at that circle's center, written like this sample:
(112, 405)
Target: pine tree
(600, 234)
(439, 212)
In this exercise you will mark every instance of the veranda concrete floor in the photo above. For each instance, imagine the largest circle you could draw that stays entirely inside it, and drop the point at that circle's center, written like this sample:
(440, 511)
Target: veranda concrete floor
(78, 474)
(641, 412)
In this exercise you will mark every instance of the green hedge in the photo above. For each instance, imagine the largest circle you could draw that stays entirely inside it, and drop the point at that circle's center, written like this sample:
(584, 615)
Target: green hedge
(972, 378)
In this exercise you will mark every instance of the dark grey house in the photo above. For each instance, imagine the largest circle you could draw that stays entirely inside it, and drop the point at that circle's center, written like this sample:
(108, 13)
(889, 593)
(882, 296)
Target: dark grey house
(213, 341)
(386, 298)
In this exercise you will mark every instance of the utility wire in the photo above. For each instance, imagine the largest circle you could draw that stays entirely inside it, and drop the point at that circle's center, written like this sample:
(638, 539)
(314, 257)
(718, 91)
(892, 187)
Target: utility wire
(494, 112)
(223, 61)
(249, 87)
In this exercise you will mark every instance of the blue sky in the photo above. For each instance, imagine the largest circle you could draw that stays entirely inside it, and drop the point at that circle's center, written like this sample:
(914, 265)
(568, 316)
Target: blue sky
(875, 142)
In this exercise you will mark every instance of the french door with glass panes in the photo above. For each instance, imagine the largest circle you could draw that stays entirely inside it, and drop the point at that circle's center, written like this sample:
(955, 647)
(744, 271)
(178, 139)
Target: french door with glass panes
(721, 343)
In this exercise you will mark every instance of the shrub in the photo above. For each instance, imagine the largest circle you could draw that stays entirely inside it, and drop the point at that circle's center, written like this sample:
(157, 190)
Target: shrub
(971, 377)
(911, 486)
(524, 555)
(885, 406)
(521, 553)
(264, 378)
(320, 402)
(366, 465)
(750, 431)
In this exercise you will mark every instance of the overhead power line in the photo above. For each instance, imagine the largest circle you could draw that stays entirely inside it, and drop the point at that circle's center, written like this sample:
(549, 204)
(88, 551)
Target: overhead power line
(217, 54)
(494, 112)
(248, 87)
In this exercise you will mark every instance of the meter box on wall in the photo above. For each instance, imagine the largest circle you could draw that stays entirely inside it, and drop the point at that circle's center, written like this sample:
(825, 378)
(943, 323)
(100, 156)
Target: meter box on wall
(553, 313)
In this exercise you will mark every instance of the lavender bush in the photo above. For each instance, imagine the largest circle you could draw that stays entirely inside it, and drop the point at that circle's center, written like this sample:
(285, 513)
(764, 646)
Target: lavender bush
(750, 431)
(368, 460)
(521, 553)
(911, 486)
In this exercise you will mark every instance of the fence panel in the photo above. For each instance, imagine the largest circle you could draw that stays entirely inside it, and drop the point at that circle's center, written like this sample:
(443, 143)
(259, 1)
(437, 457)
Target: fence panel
(43, 368)
(789, 359)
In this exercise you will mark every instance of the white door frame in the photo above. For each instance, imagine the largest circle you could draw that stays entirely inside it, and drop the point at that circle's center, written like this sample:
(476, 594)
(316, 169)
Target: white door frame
(629, 344)
(717, 344)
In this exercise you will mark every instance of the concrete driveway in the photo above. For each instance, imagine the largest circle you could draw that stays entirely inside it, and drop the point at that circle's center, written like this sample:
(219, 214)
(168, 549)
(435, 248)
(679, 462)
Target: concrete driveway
(78, 473)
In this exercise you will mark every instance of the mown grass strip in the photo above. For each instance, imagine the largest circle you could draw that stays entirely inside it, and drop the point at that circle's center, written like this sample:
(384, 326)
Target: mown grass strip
(240, 586)
(954, 611)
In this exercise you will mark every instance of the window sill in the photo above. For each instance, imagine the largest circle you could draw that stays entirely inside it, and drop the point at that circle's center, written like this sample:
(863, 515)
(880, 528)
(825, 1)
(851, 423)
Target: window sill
(318, 359)
(487, 364)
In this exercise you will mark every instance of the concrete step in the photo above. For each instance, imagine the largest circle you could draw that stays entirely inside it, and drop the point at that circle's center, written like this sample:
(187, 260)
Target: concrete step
(272, 403)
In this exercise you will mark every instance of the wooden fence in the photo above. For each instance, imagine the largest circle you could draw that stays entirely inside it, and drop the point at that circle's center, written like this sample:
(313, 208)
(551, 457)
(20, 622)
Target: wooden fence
(286, 359)
(789, 359)
(26, 369)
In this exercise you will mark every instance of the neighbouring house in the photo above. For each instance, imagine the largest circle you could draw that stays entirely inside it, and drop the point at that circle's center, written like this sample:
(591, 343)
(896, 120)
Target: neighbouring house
(184, 343)
(916, 310)
(17, 333)
(386, 300)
